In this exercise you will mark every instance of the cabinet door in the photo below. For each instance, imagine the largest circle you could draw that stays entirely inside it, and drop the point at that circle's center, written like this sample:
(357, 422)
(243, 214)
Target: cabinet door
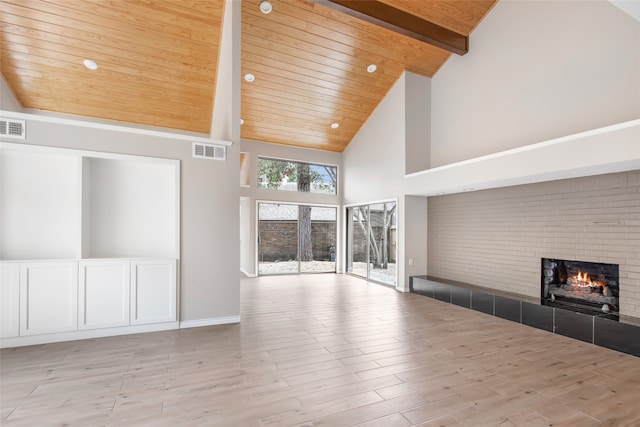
(9, 300)
(48, 297)
(153, 291)
(103, 294)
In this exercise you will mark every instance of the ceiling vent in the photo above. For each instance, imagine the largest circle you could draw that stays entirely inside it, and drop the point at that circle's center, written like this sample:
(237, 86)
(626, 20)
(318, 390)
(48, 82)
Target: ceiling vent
(11, 128)
(209, 151)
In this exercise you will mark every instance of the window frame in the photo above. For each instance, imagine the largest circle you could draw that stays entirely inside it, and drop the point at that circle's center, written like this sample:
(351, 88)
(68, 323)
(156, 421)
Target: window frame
(259, 182)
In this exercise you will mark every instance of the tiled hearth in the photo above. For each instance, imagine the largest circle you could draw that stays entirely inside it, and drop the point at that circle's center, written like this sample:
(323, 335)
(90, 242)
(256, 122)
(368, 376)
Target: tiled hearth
(595, 329)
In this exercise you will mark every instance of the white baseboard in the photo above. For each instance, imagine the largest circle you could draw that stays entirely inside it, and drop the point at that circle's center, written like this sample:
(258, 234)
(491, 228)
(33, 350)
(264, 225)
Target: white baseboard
(85, 334)
(209, 322)
(110, 332)
(243, 271)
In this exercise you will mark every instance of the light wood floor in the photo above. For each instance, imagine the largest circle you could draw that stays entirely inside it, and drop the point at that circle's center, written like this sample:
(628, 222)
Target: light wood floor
(326, 350)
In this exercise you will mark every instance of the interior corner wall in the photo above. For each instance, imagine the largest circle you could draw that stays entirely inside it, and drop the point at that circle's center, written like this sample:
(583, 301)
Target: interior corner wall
(246, 240)
(536, 70)
(417, 123)
(209, 261)
(8, 101)
(222, 121)
(415, 232)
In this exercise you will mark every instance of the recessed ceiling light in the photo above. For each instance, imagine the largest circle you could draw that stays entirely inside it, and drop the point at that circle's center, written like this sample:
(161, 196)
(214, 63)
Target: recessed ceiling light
(265, 7)
(335, 125)
(241, 121)
(249, 77)
(468, 189)
(372, 68)
(440, 193)
(90, 64)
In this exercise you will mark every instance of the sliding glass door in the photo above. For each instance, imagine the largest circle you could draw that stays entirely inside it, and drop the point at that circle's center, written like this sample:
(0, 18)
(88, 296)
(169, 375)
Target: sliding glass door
(357, 231)
(371, 242)
(317, 240)
(296, 238)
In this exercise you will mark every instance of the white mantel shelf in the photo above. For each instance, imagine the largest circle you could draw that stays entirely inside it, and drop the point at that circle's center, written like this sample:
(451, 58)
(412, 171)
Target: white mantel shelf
(610, 149)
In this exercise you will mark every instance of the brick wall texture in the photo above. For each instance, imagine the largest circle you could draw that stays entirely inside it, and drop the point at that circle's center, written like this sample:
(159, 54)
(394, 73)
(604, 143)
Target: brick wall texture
(279, 240)
(496, 238)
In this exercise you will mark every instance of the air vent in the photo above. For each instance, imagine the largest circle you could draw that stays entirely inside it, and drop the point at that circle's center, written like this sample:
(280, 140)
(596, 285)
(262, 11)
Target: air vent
(209, 151)
(11, 128)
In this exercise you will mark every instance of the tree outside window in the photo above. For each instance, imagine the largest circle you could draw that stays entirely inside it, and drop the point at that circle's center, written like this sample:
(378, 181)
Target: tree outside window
(276, 174)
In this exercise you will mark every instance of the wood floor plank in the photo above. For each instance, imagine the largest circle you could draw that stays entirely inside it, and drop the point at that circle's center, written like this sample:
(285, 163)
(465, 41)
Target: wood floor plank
(325, 350)
(446, 421)
(322, 409)
(393, 420)
(347, 390)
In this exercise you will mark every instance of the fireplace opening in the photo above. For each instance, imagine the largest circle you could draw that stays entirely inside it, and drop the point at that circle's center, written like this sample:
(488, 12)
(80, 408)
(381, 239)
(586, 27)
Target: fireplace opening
(585, 287)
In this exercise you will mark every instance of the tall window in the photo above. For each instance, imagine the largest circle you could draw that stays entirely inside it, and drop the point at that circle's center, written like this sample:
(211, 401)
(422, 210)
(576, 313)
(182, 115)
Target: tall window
(371, 242)
(286, 175)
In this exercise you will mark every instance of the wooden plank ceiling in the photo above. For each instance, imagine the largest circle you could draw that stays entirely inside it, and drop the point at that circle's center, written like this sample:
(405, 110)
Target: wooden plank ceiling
(156, 59)
(157, 62)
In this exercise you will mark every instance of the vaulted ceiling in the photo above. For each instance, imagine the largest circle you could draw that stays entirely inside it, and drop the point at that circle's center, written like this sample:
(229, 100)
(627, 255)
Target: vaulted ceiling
(157, 60)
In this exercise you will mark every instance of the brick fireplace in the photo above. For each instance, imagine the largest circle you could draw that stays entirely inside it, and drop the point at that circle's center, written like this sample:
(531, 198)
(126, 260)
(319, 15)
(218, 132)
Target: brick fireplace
(586, 287)
(496, 238)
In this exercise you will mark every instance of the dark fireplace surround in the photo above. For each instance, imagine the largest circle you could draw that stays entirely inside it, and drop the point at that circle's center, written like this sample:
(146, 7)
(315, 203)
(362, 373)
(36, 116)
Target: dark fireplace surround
(579, 300)
(584, 287)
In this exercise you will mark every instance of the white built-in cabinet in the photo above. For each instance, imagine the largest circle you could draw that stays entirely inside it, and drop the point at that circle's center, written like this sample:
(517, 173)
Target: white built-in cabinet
(103, 294)
(90, 244)
(48, 297)
(9, 300)
(153, 291)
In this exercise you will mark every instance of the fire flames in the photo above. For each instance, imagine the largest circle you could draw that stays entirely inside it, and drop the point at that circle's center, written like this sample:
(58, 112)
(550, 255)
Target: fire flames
(583, 280)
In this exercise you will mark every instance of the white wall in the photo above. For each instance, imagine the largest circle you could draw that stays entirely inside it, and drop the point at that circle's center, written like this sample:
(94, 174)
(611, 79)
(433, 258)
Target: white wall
(536, 70)
(39, 202)
(374, 161)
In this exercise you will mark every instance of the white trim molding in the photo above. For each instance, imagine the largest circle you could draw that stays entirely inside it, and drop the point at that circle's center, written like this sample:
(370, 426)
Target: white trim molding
(209, 322)
(86, 334)
(604, 150)
(246, 273)
(111, 127)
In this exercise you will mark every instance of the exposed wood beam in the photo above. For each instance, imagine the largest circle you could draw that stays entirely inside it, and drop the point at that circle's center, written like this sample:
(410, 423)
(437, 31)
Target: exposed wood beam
(396, 20)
